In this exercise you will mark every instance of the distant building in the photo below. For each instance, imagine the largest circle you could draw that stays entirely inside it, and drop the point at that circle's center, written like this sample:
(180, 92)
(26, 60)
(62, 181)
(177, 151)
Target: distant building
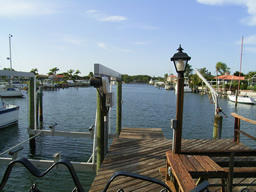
(228, 78)
(172, 78)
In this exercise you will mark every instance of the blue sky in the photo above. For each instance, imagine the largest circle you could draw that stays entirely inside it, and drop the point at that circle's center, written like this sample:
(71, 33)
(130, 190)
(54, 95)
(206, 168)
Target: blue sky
(130, 36)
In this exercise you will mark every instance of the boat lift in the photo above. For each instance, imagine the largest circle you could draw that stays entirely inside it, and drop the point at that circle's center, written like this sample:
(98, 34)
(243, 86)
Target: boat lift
(100, 72)
(214, 94)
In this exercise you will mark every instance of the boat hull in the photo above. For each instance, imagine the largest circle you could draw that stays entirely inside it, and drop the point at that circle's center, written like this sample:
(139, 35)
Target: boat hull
(9, 116)
(13, 93)
(241, 99)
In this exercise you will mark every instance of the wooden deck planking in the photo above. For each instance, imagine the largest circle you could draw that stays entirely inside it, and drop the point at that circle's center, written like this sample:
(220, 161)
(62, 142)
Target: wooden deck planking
(142, 151)
(142, 133)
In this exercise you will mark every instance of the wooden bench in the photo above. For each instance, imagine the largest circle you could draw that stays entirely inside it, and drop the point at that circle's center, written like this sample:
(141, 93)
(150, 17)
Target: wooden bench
(181, 169)
(242, 168)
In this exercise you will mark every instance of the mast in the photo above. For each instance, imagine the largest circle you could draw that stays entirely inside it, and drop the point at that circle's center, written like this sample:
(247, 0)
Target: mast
(239, 72)
(10, 58)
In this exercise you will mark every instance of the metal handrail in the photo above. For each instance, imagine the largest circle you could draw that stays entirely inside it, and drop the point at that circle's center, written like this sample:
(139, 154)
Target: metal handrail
(136, 176)
(33, 170)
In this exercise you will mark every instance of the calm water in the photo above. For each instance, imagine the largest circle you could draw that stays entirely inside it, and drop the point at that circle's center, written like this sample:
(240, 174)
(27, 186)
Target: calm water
(74, 110)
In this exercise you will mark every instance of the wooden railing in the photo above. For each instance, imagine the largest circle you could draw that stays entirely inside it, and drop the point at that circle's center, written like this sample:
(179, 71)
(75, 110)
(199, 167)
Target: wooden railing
(237, 130)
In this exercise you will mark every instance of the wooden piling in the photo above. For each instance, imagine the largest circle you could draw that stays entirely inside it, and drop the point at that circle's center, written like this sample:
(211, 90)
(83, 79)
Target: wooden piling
(41, 104)
(37, 107)
(32, 142)
(118, 107)
(101, 139)
(217, 128)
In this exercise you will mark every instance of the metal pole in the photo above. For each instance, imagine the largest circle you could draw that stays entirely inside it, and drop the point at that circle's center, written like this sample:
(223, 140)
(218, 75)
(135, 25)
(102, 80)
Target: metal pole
(239, 72)
(10, 44)
(179, 115)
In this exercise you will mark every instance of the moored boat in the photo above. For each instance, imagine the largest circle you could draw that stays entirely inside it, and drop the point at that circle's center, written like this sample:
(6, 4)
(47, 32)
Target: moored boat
(8, 114)
(10, 91)
(187, 88)
(242, 99)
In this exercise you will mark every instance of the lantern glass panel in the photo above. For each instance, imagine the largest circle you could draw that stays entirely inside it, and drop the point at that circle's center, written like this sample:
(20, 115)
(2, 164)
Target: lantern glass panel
(180, 65)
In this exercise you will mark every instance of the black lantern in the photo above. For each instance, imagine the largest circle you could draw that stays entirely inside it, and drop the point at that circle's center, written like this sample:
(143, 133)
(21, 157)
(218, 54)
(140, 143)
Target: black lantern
(180, 60)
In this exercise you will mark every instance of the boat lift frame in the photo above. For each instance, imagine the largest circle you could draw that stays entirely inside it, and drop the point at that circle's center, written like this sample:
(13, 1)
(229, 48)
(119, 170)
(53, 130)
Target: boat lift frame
(81, 166)
(213, 92)
(90, 165)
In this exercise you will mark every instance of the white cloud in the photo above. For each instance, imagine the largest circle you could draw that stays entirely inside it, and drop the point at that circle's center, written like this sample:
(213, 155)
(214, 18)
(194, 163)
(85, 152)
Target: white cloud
(69, 39)
(102, 45)
(103, 17)
(250, 4)
(112, 48)
(250, 40)
(251, 49)
(142, 42)
(25, 7)
(113, 18)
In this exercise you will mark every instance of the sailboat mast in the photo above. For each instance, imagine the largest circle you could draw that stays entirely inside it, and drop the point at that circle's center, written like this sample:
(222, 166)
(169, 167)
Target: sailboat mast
(238, 88)
(10, 44)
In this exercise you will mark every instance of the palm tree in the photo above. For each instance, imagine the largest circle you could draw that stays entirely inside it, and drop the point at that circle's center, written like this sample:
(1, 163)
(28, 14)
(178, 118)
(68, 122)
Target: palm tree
(90, 75)
(70, 72)
(35, 71)
(53, 71)
(222, 68)
(77, 72)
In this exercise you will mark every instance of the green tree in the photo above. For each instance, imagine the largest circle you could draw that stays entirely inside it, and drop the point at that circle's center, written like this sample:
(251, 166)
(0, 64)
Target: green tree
(237, 74)
(188, 71)
(165, 76)
(205, 73)
(70, 72)
(35, 71)
(53, 71)
(8, 69)
(76, 73)
(91, 75)
(222, 68)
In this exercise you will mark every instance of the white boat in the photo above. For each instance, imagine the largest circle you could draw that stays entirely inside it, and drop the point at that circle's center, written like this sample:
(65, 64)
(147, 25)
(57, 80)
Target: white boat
(49, 83)
(8, 114)
(187, 89)
(10, 91)
(169, 86)
(242, 99)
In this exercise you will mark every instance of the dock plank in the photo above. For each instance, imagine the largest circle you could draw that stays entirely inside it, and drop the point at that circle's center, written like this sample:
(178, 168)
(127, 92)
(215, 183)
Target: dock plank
(142, 151)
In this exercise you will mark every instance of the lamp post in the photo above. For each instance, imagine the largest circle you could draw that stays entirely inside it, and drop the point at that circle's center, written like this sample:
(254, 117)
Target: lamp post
(180, 61)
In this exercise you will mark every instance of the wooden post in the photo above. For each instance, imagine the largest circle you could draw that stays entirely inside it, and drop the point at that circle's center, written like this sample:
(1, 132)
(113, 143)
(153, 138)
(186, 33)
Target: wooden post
(236, 94)
(37, 107)
(179, 115)
(118, 107)
(32, 142)
(101, 140)
(217, 128)
(230, 172)
(41, 104)
(236, 129)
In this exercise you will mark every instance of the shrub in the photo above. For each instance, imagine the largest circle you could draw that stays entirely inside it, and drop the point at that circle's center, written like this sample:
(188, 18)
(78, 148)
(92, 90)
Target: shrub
(243, 87)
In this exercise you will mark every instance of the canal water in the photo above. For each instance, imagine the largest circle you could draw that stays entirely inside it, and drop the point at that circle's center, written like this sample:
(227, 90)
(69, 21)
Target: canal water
(73, 109)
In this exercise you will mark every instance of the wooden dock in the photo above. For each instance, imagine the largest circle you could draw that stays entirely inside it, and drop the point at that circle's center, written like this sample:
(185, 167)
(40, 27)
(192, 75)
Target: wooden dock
(143, 151)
